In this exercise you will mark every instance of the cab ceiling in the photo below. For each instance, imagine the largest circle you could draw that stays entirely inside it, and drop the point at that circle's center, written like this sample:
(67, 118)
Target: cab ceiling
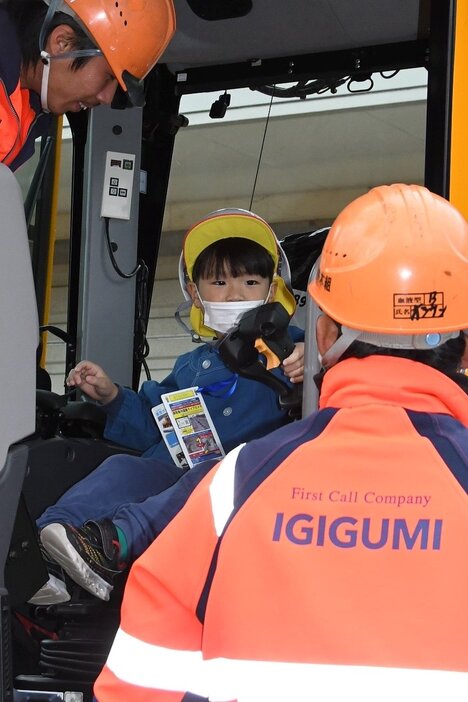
(274, 28)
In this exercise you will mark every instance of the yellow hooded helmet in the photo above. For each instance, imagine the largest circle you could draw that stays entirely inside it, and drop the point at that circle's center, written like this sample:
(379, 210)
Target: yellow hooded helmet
(225, 224)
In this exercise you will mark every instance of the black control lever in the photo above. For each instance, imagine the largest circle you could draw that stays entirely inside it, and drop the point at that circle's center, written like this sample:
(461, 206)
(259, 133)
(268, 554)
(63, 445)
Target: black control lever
(263, 330)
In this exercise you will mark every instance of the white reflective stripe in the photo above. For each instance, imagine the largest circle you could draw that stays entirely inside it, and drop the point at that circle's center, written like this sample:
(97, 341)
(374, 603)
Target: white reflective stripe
(295, 682)
(222, 679)
(222, 490)
(154, 667)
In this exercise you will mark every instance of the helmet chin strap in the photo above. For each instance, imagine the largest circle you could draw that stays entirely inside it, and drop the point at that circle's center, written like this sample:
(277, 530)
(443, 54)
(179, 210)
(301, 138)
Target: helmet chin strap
(46, 60)
(45, 80)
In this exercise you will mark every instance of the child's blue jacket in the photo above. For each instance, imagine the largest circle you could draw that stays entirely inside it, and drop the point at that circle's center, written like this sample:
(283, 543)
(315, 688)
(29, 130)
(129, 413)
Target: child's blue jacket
(250, 411)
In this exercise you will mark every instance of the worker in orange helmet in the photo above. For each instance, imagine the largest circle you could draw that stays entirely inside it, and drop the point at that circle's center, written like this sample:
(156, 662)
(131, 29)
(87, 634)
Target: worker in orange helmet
(60, 56)
(329, 560)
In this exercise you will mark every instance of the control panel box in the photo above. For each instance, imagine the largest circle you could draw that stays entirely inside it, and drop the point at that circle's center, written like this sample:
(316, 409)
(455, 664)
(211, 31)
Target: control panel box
(118, 185)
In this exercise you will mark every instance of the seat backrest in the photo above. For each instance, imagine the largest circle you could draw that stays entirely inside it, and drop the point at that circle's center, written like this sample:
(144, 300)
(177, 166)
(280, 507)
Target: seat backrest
(19, 331)
(18, 319)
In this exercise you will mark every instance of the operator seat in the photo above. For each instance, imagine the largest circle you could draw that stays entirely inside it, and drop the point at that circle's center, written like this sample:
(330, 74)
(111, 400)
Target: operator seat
(19, 341)
(19, 338)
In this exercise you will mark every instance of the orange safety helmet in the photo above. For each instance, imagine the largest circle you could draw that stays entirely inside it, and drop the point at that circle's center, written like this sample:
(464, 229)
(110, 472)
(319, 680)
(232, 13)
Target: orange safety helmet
(395, 265)
(131, 34)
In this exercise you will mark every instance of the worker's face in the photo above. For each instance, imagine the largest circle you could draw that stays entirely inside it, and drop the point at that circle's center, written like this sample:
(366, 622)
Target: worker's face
(229, 289)
(70, 90)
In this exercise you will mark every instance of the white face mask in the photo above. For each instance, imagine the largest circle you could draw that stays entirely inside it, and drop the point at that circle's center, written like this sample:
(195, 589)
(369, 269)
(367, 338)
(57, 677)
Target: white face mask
(222, 316)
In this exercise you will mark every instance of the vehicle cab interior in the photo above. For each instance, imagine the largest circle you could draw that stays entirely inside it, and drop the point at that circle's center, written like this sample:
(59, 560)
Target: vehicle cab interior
(293, 51)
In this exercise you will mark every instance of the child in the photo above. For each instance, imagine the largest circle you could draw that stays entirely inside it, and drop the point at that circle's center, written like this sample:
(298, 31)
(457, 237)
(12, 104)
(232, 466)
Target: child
(229, 263)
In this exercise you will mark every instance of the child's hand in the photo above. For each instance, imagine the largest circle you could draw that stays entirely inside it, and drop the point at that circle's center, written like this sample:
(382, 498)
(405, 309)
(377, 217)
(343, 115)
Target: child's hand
(93, 381)
(293, 365)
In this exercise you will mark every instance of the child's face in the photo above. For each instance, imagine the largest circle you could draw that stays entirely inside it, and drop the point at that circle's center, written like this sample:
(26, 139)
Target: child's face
(230, 289)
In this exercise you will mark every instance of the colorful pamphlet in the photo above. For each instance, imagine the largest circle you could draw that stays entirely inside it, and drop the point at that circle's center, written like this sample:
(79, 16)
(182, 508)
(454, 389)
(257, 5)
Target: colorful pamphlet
(187, 428)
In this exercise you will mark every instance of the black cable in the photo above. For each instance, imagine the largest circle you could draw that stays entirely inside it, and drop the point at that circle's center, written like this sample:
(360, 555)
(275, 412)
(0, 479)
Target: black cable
(261, 152)
(360, 81)
(141, 342)
(113, 260)
(141, 349)
(304, 88)
(390, 75)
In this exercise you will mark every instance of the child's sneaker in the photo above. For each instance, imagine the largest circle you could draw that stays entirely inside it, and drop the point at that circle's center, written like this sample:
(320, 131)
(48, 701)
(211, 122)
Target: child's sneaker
(88, 554)
(54, 591)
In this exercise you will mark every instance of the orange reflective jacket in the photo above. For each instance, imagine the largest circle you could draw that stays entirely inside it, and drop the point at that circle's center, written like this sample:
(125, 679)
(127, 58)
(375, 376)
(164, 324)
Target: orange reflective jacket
(328, 560)
(21, 120)
(16, 119)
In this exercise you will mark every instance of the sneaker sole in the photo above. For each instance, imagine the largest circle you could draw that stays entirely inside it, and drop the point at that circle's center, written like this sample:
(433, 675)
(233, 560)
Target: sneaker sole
(55, 541)
(53, 592)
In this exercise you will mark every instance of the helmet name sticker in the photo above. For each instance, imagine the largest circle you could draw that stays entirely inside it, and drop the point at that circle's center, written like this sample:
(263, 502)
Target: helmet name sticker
(414, 306)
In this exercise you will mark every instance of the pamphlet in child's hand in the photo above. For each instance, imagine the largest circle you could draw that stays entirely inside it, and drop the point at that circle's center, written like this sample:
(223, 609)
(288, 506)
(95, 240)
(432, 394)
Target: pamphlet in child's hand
(187, 428)
(169, 436)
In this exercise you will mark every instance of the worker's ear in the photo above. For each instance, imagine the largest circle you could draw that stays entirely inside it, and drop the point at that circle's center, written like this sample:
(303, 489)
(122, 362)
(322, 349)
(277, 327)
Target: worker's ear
(61, 39)
(193, 292)
(327, 333)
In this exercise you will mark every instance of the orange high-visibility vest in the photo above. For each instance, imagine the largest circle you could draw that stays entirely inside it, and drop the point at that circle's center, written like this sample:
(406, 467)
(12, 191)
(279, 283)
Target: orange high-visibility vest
(16, 121)
(328, 560)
